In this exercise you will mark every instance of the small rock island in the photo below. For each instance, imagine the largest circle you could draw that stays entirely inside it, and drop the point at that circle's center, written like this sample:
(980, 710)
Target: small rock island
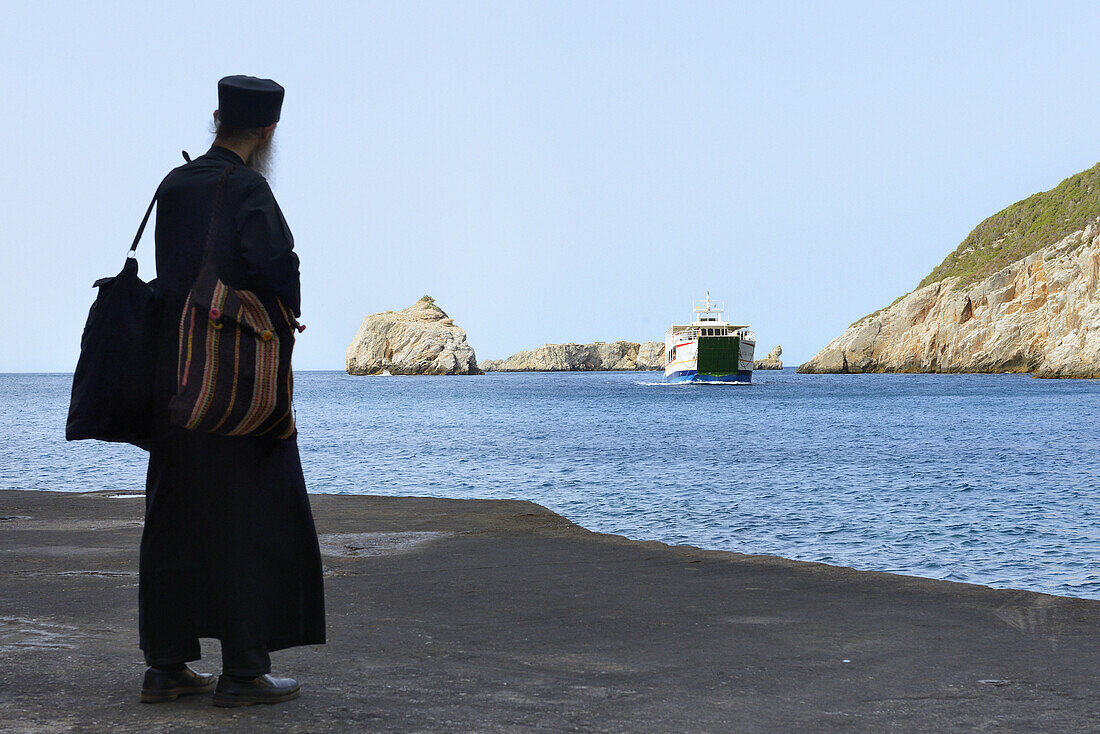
(595, 357)
(771, 362)
(420, 340)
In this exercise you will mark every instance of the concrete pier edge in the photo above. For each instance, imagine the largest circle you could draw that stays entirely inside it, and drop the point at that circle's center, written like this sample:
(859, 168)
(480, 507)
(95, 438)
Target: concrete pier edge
(501, 616)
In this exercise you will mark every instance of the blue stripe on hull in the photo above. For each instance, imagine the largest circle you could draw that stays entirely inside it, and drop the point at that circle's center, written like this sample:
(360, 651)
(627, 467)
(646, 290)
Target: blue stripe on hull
(693, 376)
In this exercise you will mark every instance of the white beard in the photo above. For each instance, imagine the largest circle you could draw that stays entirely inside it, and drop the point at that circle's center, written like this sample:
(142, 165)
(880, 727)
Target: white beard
(262, 159)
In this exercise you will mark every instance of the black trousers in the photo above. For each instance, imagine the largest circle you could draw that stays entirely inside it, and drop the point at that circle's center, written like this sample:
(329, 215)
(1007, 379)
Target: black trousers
(237, 662)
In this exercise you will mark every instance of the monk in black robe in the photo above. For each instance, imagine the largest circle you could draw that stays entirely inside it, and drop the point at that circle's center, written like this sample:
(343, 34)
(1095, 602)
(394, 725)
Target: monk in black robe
(229, 549)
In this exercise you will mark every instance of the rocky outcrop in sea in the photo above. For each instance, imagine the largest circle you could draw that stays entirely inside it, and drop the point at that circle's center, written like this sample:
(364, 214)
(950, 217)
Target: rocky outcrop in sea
(420, 340)
(771, 362)
(1020, 294)
(1040, 314)
(582, 358)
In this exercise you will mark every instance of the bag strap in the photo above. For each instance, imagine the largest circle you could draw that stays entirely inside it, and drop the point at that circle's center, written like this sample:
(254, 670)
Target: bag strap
(141, 229)
(145, 219)
(208, 248)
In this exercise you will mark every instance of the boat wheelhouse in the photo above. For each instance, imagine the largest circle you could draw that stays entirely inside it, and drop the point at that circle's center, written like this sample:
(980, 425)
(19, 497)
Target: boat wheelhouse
(709, 349)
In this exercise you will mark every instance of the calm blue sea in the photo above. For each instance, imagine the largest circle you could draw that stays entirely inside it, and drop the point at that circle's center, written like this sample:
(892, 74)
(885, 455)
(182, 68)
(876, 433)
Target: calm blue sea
(991, 479)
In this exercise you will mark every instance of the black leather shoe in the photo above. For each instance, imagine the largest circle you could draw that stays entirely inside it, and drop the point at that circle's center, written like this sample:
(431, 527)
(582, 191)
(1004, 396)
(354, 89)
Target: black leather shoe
(160, 686)
(245, 692)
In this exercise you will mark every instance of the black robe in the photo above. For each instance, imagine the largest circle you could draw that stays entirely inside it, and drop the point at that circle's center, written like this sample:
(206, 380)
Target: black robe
(229, 549)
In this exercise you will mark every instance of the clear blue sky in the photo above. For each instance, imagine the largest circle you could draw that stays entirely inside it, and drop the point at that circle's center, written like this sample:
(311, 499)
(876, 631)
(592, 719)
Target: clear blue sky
(549, 171)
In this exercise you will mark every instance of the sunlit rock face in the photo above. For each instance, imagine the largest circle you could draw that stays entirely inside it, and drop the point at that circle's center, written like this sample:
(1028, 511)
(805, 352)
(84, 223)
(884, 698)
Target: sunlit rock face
(1039, 314)
(771, 362)
(420, 340)
(582, 358)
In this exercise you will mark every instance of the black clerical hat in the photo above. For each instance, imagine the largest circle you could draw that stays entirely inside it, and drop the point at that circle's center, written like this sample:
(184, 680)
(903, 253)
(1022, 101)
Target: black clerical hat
(245, 101)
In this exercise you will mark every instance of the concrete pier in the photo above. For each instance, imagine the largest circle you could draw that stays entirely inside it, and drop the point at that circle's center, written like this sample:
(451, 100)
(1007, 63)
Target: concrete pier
(500, 616)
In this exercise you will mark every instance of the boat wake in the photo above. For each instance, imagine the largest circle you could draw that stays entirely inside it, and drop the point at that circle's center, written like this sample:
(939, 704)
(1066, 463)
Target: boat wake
(691, 384)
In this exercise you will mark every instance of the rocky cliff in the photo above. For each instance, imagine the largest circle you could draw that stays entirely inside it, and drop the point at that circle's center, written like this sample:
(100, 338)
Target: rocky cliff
(582, 358)
(1010, 299)
(771, 362)
(421, 340)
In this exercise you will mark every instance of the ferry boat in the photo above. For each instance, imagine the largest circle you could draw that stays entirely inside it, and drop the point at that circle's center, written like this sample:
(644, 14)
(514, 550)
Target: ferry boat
(709, 349)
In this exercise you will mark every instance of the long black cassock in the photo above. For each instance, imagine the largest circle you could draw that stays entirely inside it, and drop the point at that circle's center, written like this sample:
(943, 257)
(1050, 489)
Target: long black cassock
(229, 549)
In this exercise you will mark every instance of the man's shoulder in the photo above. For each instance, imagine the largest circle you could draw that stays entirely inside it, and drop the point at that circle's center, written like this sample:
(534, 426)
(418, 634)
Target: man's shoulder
(204, 173)
(244, 182)
(250, 178)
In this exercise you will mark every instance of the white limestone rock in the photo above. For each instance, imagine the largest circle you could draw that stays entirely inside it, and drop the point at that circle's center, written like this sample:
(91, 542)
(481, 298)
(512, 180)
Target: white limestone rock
(1040, 314)
(594, 357)
(420, 340)
(771, 362)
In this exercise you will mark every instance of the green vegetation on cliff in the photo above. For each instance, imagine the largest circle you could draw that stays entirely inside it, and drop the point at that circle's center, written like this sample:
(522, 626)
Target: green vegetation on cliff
(429, 302)
(1023, 228)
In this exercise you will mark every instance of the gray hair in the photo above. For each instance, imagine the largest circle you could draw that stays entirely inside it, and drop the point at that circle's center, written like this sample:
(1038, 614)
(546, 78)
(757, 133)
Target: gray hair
(239, 134)
(262, 159)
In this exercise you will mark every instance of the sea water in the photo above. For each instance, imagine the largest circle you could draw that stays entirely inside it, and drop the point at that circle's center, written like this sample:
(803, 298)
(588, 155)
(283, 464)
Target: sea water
(989, 479)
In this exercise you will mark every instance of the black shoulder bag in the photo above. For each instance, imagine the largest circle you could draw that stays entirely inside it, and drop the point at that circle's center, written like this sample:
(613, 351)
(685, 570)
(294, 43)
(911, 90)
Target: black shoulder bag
(113, 383)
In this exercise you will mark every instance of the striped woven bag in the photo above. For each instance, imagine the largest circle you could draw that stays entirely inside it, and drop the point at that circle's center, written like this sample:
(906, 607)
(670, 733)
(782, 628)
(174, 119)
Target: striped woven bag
(234, 376)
